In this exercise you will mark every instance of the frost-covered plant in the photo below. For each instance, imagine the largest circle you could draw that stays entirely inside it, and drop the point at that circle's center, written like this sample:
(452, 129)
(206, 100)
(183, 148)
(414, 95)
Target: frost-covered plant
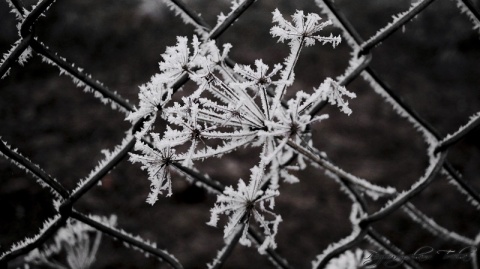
(231, 108)
(75, 240)
(351, 260)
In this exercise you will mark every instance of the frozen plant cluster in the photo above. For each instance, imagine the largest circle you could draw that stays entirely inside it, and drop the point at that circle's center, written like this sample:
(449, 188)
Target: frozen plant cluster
(234, 106)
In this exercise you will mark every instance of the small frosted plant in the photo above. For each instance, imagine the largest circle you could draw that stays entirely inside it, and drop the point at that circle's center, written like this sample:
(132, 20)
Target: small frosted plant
(79, 243)
(232, 107)
(351, 260)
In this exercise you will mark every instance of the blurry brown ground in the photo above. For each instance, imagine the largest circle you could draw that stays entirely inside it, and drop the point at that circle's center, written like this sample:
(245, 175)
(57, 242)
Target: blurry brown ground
(434, 64)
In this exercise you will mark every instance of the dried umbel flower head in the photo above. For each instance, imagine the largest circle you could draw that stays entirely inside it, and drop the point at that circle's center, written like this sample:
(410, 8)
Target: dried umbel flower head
(245, 203)
(303, 28)
(243, 106)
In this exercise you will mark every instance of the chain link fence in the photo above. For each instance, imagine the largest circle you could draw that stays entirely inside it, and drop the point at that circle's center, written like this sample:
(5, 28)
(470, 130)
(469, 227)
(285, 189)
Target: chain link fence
(440, 160)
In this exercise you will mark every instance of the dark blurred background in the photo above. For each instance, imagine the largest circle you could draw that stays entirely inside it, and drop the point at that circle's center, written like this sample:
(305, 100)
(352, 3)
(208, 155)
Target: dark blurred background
(433, 64)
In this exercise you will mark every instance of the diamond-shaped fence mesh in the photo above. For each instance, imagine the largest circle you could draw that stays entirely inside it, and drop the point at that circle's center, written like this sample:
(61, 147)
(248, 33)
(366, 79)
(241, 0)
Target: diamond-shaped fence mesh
(414, 67)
